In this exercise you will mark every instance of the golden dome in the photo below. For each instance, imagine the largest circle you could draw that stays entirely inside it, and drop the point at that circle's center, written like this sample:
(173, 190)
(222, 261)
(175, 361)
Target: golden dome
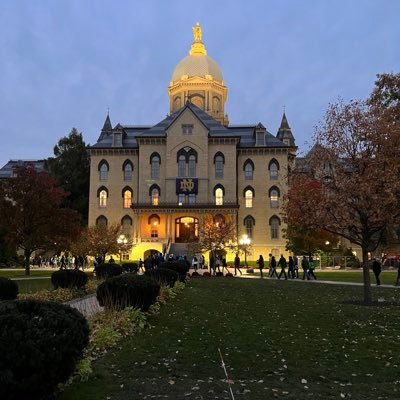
(197, 63)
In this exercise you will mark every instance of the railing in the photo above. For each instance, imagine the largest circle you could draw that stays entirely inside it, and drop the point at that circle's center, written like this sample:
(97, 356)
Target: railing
(175, 206)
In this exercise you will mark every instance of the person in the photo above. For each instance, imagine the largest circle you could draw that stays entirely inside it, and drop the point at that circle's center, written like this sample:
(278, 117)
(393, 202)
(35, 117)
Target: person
(260, 263)
(311, 268)
(296, 267)
(194, 263)
(237, 264)
(304, 266)
(141, 267)
(272, 267)
(397, 265)
(148, 265)
(111, 260)
(203, 261)
(376, 267)
(283, 263)
(291, 267)
(212, 264)
(224, 265)
(217, 263)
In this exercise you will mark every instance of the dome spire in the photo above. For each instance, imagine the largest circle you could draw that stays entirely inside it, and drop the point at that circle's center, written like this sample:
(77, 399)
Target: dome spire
(197, 45)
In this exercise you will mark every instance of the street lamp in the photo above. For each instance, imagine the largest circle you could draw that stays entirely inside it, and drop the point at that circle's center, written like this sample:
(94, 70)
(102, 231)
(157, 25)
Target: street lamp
(122, 240)
(245, 241)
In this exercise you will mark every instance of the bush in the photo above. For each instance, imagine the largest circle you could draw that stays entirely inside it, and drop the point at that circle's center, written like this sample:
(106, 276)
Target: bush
(57, 296)
(41, 342)
(128, 290)
(219, 274)
(206, 273)
(8, 289)
(229, 275)
(195, 273)
(181, 267)
(163, 276)
(69, 278)
(130, 267)
(104, 271)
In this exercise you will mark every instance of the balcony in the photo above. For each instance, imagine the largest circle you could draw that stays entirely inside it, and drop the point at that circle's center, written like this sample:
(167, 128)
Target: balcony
(168, 207)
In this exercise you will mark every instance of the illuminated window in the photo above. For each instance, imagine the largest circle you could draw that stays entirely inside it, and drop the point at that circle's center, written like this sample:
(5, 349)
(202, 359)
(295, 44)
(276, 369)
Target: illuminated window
(103, 171)
(128, 171)
(155, 166)
(274, 223)
(103, 198)
(219, 197)
(155, 196)
(249, 198)
(154, 222)
(273, 170)
(127, 198)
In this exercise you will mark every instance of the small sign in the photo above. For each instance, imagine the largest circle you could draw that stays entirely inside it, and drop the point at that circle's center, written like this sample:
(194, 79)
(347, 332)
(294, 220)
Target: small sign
(187, 185)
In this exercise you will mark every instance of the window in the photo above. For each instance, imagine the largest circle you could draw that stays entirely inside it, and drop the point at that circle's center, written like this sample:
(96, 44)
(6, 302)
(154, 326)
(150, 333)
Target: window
(181, 199)
(155, 166)
(249, 223)
(103, 168)
(127, 198)
(101, 221)
(181, 166)
(219, 161)
(249, 198)
(274, 197)
(154, 221)
(192, 198)
(127, 168)
(117, 139)
(187, 129)
(274, 223)
(260, 139)
(248, 170)
(103, 198)
(126, 223)
(273, 170)
(192, 166)
(155, 196)
(219, 196)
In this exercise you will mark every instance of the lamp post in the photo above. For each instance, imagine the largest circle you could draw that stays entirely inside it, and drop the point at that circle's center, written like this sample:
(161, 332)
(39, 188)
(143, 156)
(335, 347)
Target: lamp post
(245, 241)
(122, 240)
(327, 243)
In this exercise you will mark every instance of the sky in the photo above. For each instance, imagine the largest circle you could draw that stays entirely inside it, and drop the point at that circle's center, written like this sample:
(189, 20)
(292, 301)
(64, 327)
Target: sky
(63, 63)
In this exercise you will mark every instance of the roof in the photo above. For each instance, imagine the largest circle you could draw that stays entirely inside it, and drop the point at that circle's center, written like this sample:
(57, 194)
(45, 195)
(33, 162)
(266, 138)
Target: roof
(7, 171)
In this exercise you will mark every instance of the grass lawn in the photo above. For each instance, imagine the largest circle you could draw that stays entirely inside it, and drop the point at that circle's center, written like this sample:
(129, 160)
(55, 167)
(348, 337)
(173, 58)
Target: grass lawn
(20, 273)
(280, 339)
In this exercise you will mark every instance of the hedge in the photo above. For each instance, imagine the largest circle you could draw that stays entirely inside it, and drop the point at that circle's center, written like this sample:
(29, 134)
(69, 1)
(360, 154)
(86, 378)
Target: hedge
(69, 278)
(8, 289)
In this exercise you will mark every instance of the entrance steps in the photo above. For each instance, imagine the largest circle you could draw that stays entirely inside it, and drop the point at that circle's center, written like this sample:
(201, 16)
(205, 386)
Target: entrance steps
(180, 249)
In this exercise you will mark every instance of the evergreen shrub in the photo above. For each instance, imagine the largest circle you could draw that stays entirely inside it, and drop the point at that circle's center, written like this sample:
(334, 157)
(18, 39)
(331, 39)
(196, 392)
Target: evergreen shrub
(41, 342)
(195, 273)
(219, 274)
(229, 275)
(181, 267)
(69, 278)
(8, 289)
(130, 267)
(164, 276)
(207, 273)
(128, 290)
(105, 271)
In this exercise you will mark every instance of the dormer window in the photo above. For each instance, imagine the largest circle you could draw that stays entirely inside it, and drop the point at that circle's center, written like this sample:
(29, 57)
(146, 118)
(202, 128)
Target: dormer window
(260, 139)
(187, 129)
(117, 139)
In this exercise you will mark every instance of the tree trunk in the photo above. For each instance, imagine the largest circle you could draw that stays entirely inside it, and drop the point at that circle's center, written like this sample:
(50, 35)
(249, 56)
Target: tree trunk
(367, 280)
(27, 254)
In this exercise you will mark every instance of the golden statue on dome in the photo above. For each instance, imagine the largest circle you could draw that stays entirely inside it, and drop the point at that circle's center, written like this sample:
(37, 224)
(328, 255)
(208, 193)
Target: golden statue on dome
(197, 32)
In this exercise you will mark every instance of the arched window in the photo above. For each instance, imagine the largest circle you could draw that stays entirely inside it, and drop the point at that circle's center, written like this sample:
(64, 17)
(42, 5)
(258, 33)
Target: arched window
(249, 223)
(154, 195)
(273, 168)
(248, 168)
(102, 194)
(274, 223)
(126, 224)
(219, 192)
(103, 169)
(127, 168)
(181, 166)
(155, 161)
(101, 221)
(274, 195)
(154, 221)
(127, 195)
(192, 166)
(219, 161)
(249, 198)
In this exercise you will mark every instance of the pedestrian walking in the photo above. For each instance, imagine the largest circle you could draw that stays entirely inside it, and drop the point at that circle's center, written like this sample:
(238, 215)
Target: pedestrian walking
(141, 265)
(397, 265)
(272, 267)
(224, 265)
(283, 263)
(311, 268)
(194, 263)
(296, 267)
(217, 263)
(377, 268)
(260, 263)
(237, 264)
(304, 266)
(291, 267)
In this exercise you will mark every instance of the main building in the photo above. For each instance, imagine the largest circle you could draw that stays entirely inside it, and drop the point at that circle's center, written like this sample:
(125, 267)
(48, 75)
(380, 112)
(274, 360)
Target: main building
(159, 182)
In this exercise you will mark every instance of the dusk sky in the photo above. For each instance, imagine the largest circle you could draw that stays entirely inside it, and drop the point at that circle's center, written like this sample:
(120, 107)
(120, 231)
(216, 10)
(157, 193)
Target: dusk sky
(64, 62)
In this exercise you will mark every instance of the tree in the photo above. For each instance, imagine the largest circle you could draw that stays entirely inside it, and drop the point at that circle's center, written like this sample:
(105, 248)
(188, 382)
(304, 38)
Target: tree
(71, 169)
(387, 92)
(31, 216)
(215, 235)
(350, 187)
(101, 240)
